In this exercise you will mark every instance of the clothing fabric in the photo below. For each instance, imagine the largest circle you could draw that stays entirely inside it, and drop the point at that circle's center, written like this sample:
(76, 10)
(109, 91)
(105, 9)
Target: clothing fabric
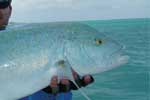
(41, 95)
(65, 88)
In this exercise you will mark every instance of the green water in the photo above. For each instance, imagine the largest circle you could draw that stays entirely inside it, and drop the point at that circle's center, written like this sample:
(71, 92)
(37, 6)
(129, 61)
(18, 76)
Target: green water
(130, 81)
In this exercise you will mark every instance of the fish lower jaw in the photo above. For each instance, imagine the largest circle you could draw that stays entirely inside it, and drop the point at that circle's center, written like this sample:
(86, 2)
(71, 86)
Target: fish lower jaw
(123, 59)
(120, 60)
(116, 62)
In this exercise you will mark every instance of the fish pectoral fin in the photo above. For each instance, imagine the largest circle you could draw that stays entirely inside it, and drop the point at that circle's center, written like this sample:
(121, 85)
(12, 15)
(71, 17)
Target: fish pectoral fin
(61, 63)
(65, 71)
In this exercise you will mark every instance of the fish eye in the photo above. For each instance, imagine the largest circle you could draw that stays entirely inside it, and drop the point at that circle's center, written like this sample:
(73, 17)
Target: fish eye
(98, 41)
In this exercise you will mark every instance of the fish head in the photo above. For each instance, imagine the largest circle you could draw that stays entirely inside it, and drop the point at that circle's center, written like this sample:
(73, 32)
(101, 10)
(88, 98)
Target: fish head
(91, 52)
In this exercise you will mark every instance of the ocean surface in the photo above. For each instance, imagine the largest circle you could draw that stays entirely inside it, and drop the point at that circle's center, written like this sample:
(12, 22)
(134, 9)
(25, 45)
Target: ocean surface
(130, 81)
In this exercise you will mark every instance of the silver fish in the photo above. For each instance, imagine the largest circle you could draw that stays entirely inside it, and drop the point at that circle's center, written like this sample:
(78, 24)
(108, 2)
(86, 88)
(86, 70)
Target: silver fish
(30, 54)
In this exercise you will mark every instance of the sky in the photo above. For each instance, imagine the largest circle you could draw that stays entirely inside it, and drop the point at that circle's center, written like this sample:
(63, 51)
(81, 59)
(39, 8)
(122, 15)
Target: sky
(75, 10)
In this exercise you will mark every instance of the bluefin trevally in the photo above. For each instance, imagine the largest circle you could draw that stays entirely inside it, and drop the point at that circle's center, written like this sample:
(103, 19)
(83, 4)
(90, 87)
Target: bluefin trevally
(30, 55)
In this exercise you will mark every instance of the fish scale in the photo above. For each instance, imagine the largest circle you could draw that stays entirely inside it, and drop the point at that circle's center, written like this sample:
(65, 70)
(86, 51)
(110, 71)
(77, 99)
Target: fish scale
(29, 53)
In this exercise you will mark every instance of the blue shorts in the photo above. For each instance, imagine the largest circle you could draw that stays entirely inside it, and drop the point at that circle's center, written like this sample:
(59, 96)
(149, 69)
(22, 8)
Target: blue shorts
(41, 95)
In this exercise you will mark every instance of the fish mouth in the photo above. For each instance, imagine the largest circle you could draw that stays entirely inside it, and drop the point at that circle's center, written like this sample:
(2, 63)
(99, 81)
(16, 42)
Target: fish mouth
(117, 58)
(114, 60)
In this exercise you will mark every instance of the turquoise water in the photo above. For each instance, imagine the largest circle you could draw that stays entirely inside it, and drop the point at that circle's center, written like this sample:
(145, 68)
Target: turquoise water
(130, 81)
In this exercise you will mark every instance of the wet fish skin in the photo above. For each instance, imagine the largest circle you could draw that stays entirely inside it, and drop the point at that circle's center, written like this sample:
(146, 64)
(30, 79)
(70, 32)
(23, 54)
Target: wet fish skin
(29, 52)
